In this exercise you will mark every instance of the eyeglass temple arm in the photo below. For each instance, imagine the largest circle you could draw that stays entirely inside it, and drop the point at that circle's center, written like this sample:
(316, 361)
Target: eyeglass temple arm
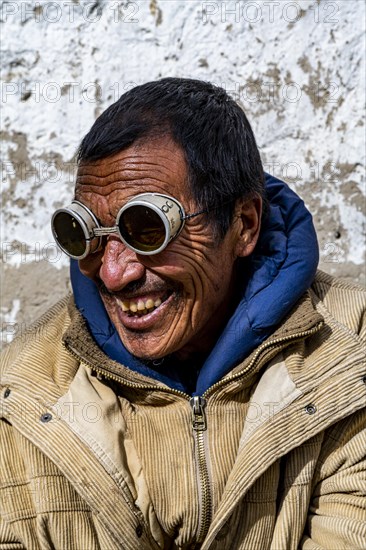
(188, 216)
(205, 210)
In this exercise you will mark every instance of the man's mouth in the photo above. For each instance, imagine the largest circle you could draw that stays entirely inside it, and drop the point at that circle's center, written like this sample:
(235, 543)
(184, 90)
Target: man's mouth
(139, 307)
(142, 312)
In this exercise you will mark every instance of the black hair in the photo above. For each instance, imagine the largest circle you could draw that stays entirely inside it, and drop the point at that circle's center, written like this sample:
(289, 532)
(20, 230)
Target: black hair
(220, 149)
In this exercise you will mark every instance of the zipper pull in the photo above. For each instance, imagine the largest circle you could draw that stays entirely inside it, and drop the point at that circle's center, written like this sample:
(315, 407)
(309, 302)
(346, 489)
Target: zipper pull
(198, 413)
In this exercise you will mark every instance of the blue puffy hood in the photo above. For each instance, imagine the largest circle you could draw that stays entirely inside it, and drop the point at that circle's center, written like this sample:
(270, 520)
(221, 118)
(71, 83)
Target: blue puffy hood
(279, 271)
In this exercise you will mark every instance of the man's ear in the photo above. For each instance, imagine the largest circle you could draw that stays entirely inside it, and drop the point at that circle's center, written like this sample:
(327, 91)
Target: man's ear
(248, 216)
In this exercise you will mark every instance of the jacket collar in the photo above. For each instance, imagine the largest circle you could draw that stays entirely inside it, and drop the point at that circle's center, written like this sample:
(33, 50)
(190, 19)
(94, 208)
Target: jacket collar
(300, 323)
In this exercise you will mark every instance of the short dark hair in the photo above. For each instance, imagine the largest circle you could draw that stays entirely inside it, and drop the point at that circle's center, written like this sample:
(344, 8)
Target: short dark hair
(219, 145)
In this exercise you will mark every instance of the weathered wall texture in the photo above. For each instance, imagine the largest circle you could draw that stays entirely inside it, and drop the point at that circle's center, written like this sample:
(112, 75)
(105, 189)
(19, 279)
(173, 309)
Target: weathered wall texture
(296, 67)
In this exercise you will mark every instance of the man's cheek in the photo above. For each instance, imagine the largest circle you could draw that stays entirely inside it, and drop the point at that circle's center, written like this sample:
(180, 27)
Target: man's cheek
(90, 266)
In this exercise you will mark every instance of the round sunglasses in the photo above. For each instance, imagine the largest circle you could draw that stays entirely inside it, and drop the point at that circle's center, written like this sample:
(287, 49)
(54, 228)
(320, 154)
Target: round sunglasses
(146, 224)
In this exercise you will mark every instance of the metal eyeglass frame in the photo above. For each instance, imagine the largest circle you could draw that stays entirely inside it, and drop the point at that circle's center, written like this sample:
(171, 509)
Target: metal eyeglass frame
(169, 209)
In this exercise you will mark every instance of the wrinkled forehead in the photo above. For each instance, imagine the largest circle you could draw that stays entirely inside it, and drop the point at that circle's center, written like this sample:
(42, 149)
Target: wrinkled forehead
(154, 165)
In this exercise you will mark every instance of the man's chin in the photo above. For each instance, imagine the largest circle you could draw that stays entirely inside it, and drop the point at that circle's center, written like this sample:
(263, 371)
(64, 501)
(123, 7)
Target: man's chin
(145, 355)
(144, 345)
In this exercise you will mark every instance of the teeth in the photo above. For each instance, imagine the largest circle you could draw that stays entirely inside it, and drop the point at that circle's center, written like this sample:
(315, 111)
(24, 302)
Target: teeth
(140, 306)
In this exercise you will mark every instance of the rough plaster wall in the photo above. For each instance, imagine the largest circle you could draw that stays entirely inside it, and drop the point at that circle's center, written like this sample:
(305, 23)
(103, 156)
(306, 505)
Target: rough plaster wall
(296, 67)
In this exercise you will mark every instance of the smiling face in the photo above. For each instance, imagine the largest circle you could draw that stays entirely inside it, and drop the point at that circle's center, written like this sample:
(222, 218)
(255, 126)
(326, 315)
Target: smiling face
(179, 299)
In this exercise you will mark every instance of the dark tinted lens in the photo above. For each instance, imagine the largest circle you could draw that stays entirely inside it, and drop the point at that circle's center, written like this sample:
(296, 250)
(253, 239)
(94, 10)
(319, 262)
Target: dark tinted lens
(142, 228)
(70, 234)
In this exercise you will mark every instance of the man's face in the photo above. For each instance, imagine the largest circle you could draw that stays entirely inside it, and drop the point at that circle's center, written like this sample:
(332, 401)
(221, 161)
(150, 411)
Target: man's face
(184, 294)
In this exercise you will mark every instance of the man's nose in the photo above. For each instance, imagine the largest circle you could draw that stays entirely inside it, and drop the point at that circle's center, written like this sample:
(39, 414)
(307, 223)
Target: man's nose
(120, 266)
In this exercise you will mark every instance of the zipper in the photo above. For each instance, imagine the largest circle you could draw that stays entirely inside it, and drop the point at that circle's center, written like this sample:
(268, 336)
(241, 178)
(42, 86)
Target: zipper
(199, 425)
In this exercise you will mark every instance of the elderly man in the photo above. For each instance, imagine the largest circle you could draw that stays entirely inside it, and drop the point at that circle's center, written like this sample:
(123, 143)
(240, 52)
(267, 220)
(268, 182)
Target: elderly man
(204, 387)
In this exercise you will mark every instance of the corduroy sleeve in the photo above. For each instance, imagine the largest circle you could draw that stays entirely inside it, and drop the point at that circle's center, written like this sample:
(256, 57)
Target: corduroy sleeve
(12, 476)
(7, 539)
(337, 511)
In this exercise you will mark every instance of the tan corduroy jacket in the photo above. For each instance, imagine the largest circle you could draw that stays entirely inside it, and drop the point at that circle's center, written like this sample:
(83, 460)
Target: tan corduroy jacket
(95, 456)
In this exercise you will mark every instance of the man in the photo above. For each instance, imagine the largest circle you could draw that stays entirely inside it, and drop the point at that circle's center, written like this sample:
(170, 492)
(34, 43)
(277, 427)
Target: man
(201, 389)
